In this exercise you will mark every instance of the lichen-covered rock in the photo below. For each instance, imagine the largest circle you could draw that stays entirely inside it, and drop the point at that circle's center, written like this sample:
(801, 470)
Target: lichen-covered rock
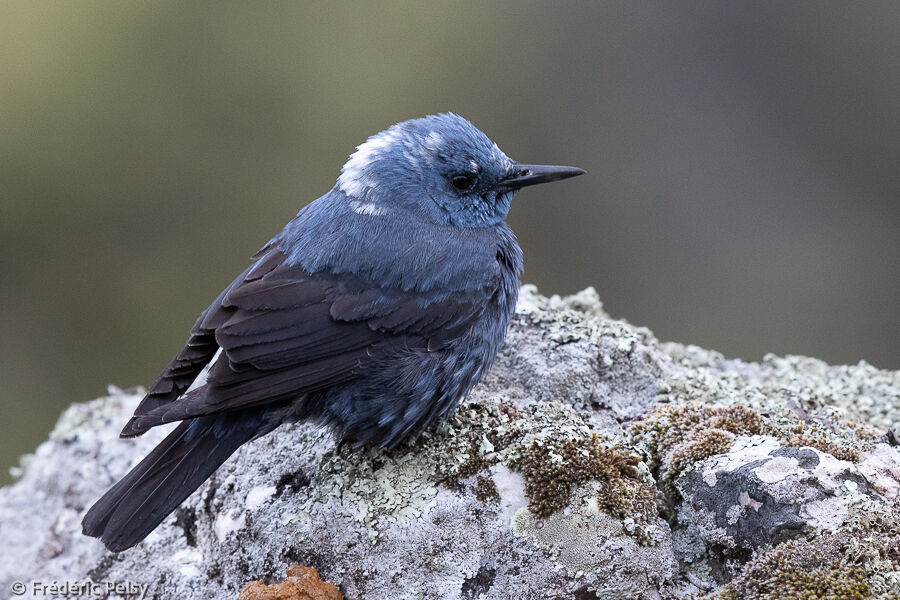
(762, 493)
(593, 462)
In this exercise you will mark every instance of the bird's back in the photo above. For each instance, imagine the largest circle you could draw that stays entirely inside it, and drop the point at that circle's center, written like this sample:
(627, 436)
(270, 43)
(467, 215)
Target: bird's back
(393, 247)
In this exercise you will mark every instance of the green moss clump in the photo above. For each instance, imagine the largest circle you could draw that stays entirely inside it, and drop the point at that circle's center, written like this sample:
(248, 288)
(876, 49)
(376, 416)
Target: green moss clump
(843, 440)
(795, 570)
(552, 468)
(828, 447)
(676, 436)
(475, 463)
(627, 498)
(694, 448)
(859, 561)
(485, 489)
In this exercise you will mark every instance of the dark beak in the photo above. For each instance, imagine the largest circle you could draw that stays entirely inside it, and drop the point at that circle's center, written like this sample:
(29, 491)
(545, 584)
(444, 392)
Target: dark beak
(524, 175)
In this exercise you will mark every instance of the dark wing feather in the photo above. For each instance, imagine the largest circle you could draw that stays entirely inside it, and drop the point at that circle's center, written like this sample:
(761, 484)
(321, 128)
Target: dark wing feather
(201, 347)
(285, 332)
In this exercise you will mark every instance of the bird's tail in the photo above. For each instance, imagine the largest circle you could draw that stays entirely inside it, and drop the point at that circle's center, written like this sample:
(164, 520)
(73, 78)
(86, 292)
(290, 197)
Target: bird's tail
(134, 506)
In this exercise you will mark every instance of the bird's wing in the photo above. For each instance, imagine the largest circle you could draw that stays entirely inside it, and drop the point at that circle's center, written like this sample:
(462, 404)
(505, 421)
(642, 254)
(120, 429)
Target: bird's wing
(285, 332)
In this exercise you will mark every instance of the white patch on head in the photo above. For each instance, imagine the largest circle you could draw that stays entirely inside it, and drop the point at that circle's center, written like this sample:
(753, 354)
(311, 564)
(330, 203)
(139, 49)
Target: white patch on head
(500, 157)
(366, 208)
(354, 180)
(474, 165)
(434, 140)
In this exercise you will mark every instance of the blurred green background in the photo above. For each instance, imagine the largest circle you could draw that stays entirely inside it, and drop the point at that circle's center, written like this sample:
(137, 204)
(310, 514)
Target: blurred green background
(743, 190)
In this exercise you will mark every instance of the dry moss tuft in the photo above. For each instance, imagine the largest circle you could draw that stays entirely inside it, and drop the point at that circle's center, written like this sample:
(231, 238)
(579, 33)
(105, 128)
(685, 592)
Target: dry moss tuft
(844, 441)
(859, 561)
(475, 463)
(551, 469)
(795, 571)
(695, 447)
(676, 436)
(485, 489)
(302, 583)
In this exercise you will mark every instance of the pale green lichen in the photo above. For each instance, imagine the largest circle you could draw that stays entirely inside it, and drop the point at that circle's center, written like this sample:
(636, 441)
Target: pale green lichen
(564, 319)
(95, 414)
(17, 471)
(839, 439)
(401, 484)
(857, 393)
(861, 561)
(583, 538)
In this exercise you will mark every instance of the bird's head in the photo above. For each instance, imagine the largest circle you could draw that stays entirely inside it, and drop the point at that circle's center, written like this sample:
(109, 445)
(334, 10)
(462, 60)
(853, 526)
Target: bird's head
(440, 168)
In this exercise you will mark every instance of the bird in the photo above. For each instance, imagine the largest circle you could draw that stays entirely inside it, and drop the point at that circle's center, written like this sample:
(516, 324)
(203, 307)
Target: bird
(372, 313)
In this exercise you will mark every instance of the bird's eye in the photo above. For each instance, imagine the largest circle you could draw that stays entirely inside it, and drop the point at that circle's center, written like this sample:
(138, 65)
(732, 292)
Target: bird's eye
(463, 181)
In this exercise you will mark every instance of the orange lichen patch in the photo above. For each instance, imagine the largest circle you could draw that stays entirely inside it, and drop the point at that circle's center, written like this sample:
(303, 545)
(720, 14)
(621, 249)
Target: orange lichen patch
(508, 410)
(302, 583)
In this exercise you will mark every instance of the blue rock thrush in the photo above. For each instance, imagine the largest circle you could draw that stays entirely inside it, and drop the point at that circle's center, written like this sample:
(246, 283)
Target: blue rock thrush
(373, 312)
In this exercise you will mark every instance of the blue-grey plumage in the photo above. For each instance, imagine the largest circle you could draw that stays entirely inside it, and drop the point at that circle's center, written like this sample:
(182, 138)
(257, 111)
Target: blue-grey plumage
(374, 312)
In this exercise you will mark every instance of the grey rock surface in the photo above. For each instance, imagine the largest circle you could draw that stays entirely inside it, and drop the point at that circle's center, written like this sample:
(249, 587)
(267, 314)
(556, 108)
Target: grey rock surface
(528, 492)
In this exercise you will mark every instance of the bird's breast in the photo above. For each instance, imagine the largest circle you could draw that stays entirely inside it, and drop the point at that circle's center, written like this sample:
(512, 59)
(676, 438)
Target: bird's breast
(492, 327)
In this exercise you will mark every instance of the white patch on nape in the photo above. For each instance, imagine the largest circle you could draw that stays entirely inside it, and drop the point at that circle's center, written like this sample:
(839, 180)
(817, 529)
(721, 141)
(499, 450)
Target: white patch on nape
(354, 178)
(366, 208)
(499, 156)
